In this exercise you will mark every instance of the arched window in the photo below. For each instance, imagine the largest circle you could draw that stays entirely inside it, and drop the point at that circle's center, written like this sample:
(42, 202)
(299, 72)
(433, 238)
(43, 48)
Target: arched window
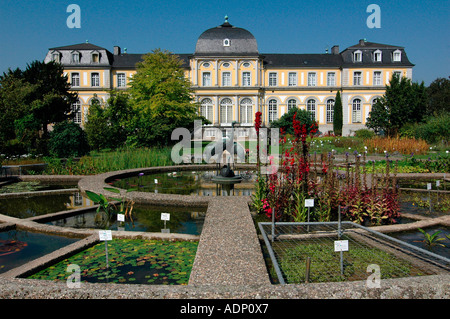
(311, 107)
(356, 111)
(273, 110)
(206, 109)
(291, 104)
(330, 110)
(76, 110)
(226, 111)
(246, 111)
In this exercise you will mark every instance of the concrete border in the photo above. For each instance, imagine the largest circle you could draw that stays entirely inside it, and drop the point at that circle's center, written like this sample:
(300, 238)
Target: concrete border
(207, 284)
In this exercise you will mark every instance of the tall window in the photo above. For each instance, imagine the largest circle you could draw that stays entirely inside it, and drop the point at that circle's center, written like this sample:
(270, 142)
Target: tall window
(246, 111)
(95, 79)
(75, 58)
(397, 56)
(55, 57)
(292, 79)
(356, 111)
(246, 79)
(226, 79)
(273, 110)
(377, 56)
(95, 58)
(291, 104)
(273, 79)
(206, 109)
(75, 79)
(330, 110)
(357, 56)
(206, 79)
(311, 107)
(76, 110)
(312, 80)
(226, 111)
(357, 78)
(121, 81)
(377, 78)
(331, 79)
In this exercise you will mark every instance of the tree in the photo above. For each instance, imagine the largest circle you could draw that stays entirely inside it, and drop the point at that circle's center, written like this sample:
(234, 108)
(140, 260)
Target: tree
(438, 97)
(403, 102)
(285, 121)
(67, 139)
(337, 115)
(96, 126)
(161, 99)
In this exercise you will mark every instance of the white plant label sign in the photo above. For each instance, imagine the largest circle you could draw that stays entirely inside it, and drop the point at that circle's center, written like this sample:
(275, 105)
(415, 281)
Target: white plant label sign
(309, 202)
(105, 235)
(341, 245)
(165, 216)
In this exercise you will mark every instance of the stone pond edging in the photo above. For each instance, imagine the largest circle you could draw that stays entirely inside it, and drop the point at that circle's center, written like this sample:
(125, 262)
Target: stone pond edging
(229, 261)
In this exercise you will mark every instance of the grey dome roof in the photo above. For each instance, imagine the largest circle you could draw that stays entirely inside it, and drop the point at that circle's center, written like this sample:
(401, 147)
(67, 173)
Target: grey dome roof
(211, 42)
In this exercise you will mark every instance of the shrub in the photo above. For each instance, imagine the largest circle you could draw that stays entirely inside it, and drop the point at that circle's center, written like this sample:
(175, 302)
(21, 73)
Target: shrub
(435, 130)
(364, 134)
(68, 140)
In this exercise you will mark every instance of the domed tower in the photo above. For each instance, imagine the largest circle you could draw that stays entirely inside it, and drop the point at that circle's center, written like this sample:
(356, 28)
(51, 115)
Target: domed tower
(226, 40)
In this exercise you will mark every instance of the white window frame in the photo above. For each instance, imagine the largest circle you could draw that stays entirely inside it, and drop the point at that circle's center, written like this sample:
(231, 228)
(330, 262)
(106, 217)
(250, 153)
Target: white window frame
(312, 79)
(356, 110)
(76, 110)
(56, 56)
(292, 79)
(397, 56)
(93, 55)
(377, 78)
(246, 110)
(273, 110)
(226, 111)
(311, 107)
(291, 103)
(377, 56)
(331, 79)
(226, 42)
(273, 78)
(357, 56)
(330, 110)
(206, 109)
(206, 79)
(357, 78)
(246, 78)
(75, 79)
(75, 57)
(121, 80)
(95, 79)
(226, 78)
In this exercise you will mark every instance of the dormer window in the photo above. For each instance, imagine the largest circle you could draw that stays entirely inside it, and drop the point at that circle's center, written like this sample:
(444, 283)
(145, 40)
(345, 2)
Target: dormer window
(397, 56)
(75, 57)
(95, 57)
(56, 57)
(226, 42)
(357, 56)
(377, 57)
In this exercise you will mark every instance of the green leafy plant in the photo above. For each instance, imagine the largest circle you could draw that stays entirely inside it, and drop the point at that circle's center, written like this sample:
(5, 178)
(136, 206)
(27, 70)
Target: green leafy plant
(433, 239)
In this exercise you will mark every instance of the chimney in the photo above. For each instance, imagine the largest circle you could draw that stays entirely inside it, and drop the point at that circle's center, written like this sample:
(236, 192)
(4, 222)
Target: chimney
(335, 49)
(117, 50)
(362, 42)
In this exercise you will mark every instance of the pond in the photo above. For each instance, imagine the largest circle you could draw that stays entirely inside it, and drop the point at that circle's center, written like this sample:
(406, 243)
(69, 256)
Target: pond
(30, 206)
(33, 186)
(130, 261)
(18, 247)
(188, 183)
(417, 238)
(144, 218)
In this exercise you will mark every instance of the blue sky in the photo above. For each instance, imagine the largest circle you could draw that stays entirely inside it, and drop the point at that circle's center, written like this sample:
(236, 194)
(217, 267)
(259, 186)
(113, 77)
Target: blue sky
(29, 27)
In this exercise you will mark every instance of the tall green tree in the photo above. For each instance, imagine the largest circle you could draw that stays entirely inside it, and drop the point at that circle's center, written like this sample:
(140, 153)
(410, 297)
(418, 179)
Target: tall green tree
(337, 115)
(161, 99)
(438, 97)
(403, 102)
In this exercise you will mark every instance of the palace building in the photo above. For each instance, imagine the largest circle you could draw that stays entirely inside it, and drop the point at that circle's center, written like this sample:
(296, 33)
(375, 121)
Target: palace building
(232, 80)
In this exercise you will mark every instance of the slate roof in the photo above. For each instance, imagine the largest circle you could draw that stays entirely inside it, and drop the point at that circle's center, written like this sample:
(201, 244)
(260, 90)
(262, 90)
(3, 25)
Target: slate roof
(81, 46)
(302, 60)
(127, 61)
(210, 42)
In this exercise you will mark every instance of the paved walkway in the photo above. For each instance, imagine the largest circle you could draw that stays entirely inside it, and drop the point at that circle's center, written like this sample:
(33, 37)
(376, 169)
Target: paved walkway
(229, 252)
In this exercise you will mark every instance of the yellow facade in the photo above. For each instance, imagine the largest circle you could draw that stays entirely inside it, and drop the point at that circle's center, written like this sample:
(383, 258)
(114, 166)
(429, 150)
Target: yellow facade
(231, 80)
